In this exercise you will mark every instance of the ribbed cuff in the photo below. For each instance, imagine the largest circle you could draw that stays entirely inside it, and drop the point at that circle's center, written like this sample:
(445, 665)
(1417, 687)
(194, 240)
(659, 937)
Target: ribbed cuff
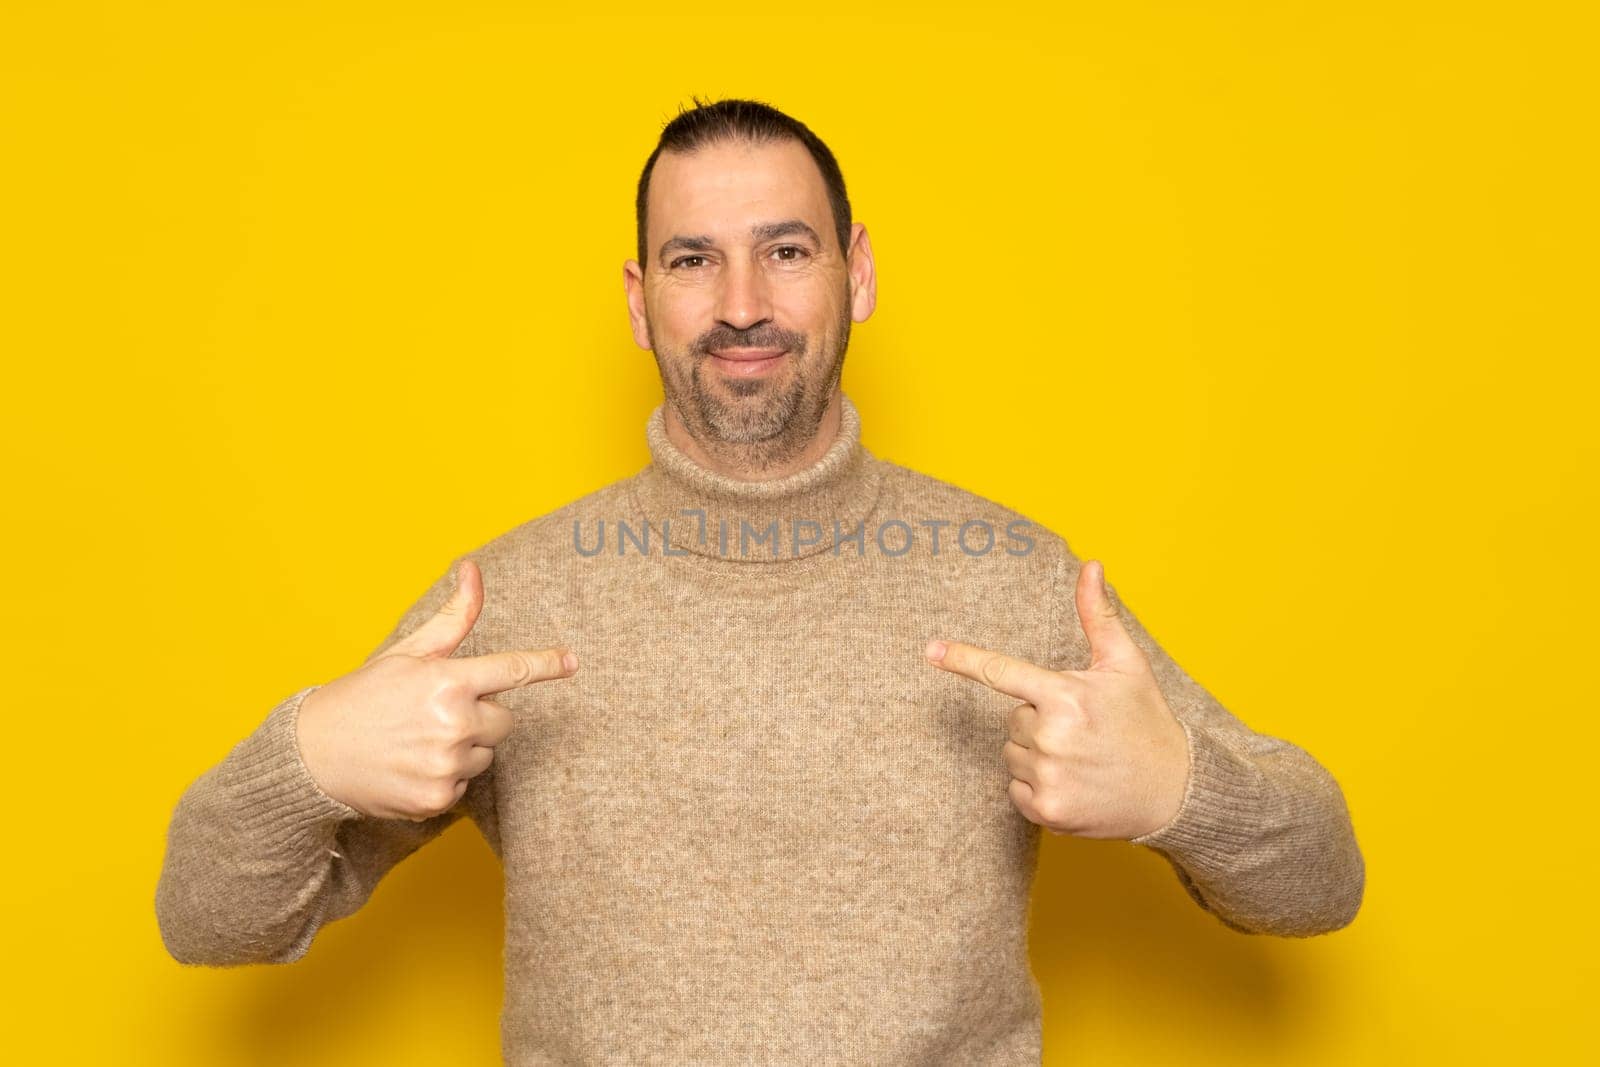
(1217, 820)
(278, 802)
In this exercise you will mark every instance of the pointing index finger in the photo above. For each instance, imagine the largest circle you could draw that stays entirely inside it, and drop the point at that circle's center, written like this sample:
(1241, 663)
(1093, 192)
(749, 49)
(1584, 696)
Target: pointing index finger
(1000, 672)
(496, 672)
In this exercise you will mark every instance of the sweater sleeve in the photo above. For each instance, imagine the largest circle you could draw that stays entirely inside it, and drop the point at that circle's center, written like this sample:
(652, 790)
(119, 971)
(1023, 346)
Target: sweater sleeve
(258, 857)
(1263, 838)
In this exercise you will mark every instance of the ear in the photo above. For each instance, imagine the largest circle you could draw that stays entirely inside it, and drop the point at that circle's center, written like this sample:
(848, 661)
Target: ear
(863, 275)
(633, 284)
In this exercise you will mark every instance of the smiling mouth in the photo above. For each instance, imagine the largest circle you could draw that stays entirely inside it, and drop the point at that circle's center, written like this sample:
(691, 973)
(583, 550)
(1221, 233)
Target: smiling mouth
(746, 355)
(748, 362)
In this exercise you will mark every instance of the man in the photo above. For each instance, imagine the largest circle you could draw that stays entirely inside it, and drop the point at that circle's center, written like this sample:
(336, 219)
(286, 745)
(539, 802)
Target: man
(765, 734)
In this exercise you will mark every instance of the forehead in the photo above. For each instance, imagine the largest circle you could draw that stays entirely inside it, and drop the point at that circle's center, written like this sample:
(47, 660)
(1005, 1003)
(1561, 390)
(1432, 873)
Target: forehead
(722, 190)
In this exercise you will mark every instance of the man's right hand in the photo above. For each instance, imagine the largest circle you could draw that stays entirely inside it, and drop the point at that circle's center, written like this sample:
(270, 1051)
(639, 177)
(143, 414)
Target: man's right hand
(402, 735)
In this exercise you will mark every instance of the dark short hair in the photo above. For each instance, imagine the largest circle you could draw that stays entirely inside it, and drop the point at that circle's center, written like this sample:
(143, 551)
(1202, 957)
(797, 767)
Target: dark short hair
(753, 122)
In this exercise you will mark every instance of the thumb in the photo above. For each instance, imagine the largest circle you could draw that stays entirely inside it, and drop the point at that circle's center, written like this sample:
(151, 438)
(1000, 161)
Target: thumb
(1109, 643)
(449, 626)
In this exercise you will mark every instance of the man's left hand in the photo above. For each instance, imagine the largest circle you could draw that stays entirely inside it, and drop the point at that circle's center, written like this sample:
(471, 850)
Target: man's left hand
(1097, 752)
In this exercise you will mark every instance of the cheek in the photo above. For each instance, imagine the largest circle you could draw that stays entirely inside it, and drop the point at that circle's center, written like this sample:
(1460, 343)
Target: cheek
(814, 307)
(679, 316)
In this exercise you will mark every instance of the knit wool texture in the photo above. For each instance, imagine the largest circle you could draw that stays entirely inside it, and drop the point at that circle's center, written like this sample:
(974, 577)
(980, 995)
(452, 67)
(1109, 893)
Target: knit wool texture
(757, 826)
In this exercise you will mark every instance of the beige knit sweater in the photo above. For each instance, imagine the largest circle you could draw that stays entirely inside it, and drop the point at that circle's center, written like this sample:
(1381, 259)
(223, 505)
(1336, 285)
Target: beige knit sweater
(757, 826)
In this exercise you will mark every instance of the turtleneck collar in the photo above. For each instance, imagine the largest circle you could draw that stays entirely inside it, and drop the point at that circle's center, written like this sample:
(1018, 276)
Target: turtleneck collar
(691, 508)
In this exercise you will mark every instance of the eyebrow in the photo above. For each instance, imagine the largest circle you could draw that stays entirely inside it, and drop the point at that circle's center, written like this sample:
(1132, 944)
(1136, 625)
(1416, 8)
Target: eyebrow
(764, 231)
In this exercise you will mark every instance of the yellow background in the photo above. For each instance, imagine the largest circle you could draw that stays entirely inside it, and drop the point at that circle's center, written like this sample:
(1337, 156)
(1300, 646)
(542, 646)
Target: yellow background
(1283, 310)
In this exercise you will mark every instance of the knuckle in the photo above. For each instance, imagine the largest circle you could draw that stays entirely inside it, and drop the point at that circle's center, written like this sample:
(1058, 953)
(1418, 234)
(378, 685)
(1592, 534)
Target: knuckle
(540, 665)
(441, 797)
(524, 668)
(1054, 728)
(1050, 775)
(439, 680)
(457, 724)
(441, 766)
(993, 669)
(442, 716)
(421, 806)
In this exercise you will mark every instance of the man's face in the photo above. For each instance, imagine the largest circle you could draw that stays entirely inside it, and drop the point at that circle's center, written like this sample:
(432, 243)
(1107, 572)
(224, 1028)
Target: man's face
(748, 298)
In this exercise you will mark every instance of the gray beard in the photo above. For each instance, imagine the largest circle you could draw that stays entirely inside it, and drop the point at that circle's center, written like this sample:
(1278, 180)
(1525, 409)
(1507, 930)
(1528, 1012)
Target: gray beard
(772, 427)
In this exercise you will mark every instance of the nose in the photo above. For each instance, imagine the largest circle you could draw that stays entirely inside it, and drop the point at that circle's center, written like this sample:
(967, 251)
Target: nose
(743, 300)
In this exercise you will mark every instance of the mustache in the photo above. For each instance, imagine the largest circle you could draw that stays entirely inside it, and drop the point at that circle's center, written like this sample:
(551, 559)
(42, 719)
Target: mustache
(760, 337)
